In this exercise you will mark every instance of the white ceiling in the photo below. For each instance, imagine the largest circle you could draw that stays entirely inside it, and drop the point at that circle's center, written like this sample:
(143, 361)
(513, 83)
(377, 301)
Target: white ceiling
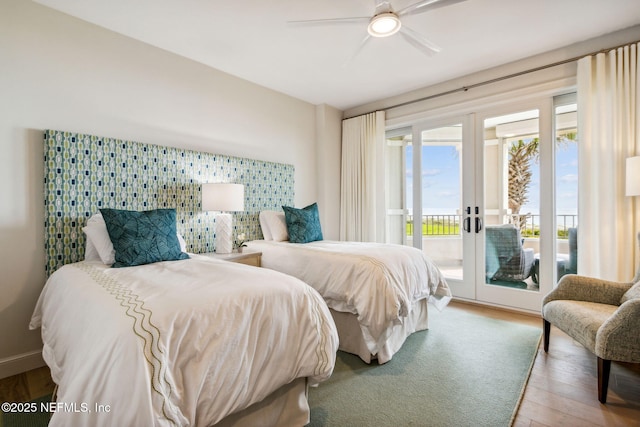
(251, 39)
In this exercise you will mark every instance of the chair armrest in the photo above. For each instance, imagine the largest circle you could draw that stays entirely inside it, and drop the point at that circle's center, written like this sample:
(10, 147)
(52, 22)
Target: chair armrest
(617, 338)
(583, 288)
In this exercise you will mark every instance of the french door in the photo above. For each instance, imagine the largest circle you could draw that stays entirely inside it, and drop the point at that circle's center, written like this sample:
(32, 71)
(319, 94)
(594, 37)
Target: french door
(477, 196)
(514, 157)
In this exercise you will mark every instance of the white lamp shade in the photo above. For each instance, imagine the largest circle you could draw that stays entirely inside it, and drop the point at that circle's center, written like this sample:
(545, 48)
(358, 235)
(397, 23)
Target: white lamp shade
(633, 176)
(223, 197)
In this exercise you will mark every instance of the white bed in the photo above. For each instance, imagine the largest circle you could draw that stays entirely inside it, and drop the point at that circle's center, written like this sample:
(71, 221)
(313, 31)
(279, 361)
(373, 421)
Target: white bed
(377, 293)
(189, 342)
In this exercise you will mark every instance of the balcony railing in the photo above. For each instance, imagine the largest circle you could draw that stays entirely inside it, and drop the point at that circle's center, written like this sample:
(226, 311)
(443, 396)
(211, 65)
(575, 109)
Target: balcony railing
(449, 225)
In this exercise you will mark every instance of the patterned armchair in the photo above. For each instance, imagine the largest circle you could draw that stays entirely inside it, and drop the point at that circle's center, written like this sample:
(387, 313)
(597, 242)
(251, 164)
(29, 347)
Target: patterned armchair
(506, 259)
(601, 315)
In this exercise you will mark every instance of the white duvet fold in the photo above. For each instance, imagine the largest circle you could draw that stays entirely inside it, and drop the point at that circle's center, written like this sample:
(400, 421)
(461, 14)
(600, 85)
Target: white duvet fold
(377, 282)
(180, 342)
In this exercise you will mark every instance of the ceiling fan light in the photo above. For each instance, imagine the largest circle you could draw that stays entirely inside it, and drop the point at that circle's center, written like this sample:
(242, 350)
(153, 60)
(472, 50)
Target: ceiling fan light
(384, 25)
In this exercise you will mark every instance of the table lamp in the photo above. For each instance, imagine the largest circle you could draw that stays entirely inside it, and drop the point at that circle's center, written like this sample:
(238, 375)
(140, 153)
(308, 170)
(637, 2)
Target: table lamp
(223, 198)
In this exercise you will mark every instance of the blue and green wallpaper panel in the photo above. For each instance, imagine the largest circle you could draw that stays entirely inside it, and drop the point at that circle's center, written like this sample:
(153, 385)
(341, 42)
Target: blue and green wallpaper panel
(84, 173)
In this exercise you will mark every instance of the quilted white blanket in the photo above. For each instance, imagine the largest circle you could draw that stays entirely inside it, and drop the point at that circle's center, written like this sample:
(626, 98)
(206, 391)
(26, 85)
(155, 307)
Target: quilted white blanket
(177, 343)
(377, 282)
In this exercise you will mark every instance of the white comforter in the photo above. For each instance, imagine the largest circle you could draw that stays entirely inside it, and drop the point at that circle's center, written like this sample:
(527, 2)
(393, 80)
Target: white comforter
(377, 282)
(177, 343)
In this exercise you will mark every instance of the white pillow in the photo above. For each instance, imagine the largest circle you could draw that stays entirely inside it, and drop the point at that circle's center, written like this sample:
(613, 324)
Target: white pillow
(264, 226)
(90, 251)
(276, 224)
(183, 244)
(98, 240)
(278, 227)
(97, 234)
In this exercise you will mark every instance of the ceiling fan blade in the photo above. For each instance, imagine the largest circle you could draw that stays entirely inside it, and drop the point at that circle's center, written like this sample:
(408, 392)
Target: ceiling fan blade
(426, 5)
(332, 20)
(382, 6)
(419, 41)
(358, 50)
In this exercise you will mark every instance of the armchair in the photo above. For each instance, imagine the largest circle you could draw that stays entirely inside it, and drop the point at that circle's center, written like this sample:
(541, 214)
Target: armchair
(601, 315)
(506, 259)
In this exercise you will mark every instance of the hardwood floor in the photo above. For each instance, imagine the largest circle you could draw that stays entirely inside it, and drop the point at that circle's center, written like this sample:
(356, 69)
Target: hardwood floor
(562, 389)
(26, 386)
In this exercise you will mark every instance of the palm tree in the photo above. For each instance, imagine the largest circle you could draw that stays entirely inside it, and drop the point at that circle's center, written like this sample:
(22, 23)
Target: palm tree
(520, 155)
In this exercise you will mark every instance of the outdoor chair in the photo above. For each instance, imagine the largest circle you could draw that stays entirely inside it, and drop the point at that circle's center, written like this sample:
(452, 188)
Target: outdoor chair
(568, 264)
(565, 263)
(506, 259)
(603, 316)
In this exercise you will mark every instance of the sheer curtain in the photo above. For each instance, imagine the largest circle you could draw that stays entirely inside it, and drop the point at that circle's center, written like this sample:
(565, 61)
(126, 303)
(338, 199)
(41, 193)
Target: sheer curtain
(608, 117)
(362, 195)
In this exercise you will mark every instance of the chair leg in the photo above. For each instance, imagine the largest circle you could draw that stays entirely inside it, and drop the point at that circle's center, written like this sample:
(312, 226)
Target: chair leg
(547, 331)
(604, 368)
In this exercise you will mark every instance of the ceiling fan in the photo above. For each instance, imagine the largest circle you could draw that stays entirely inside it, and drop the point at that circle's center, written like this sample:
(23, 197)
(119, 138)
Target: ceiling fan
(386, 22)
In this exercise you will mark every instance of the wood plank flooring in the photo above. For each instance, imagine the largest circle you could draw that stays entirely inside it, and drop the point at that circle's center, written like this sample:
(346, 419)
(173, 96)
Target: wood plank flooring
(27, 386)
(562, 390)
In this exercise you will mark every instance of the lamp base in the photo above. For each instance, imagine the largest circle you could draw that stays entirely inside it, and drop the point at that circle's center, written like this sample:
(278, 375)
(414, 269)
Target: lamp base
(224, 233)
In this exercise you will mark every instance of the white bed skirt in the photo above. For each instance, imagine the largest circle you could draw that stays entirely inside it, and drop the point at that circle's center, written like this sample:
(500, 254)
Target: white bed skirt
(287, 406)
(352, 340)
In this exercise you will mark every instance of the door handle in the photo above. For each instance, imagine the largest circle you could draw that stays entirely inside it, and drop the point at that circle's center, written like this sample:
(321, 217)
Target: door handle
(478, 224)
(467, 224)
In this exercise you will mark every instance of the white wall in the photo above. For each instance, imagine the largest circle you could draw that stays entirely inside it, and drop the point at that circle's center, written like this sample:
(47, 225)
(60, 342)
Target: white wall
(567, 72)
(329, 152)
(57, 72)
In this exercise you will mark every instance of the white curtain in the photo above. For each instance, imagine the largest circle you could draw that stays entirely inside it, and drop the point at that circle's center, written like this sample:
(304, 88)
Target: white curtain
(362, 195)
(608, 133)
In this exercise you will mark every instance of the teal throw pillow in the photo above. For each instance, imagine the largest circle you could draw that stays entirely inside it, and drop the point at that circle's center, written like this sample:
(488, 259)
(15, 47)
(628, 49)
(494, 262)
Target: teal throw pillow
(143, 237)
(303, 225)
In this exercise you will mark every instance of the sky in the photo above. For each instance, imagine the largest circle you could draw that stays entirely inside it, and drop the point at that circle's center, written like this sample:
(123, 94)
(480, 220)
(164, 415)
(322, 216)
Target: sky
(441, 181)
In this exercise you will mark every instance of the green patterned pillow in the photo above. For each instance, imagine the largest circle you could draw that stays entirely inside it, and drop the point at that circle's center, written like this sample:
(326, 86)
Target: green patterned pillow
(303, 225)
(143, 237)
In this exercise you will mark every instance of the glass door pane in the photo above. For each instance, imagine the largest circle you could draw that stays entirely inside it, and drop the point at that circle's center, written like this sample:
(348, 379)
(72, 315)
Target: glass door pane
(566, 186)
(512, 200)
(441, 198)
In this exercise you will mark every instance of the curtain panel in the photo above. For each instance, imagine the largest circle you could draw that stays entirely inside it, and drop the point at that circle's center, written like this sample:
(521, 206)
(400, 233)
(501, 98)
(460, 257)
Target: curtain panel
(608, 117)
(362, 183)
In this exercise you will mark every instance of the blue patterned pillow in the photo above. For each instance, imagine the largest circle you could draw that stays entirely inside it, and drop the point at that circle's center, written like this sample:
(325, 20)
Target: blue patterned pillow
(303, 225)
(143, 237)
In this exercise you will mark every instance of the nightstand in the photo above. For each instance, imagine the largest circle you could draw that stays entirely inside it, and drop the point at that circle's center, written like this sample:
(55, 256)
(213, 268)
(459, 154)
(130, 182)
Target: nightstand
(249, 258)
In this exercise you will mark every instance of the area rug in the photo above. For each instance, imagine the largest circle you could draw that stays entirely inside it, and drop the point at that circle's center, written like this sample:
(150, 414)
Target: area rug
(466, 370)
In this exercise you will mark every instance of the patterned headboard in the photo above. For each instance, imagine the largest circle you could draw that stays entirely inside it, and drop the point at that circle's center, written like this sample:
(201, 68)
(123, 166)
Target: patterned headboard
(83, 173)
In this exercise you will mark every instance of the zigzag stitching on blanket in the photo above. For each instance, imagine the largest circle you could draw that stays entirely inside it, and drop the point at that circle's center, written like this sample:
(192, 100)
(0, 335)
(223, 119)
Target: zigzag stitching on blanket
(382, 266)
(140, 315)
(377, 263)
(321, 354)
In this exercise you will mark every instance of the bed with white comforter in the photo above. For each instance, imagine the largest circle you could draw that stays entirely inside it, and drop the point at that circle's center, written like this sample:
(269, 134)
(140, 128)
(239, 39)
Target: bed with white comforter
(177, 343)
(385, 286)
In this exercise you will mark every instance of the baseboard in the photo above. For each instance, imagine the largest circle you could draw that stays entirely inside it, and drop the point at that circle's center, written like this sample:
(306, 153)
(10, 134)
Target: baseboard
(498, 307)
(21, 363)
